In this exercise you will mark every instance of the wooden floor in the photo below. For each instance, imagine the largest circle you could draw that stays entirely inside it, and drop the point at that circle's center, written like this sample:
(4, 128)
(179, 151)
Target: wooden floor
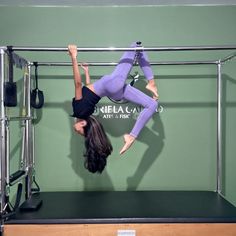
(210, 229)
(144, 213)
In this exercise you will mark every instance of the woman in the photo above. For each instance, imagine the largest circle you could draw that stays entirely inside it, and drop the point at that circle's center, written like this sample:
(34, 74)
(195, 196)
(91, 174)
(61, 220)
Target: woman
(114, 85)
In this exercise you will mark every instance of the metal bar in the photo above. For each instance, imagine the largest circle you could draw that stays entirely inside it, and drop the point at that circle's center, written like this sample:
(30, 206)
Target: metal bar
(173, 63)
(23, 149)
(228, 58)
(116, 63)
(219, 129)
(33, 149)
(28, 136)
(26, 157)
(19, 118)
(23, 112)
(7, 154)
(108, 49)
(4, 48)
(2, 136)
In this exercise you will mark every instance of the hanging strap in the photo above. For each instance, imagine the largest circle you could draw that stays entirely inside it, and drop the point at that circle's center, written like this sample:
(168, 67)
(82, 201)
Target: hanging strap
(11, 63)
(36, 74)
(10, 88)
(37, 97)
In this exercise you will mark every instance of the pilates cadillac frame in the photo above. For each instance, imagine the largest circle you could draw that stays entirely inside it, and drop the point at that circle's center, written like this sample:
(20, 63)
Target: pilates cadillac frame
(27, 170)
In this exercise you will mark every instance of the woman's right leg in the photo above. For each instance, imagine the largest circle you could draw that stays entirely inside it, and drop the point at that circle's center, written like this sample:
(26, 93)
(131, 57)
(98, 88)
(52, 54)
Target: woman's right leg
(112, 85)
(144, 64)
(126, 63)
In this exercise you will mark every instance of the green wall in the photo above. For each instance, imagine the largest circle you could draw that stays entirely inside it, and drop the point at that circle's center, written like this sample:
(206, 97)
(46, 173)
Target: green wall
(177, 149)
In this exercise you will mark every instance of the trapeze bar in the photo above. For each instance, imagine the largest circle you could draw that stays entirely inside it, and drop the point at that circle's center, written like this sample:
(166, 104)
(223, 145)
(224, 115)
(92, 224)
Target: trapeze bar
(115, 63)
(107, 49)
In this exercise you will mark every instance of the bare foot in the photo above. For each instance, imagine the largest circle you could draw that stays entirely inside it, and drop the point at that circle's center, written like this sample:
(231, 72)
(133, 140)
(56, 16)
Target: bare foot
(151, 86)
(128, 140)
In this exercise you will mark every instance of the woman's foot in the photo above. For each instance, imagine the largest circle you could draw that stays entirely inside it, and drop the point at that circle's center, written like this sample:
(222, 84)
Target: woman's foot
(151, 86)
(128, 140)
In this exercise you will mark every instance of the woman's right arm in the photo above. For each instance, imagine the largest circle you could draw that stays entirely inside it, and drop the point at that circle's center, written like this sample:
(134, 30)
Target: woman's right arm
(77, 77)
(85, 67)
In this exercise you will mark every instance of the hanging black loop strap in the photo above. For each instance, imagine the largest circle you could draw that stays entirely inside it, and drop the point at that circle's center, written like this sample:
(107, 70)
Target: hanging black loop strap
(10, 89)
(11, 65)
(37, 97)
(36, 74)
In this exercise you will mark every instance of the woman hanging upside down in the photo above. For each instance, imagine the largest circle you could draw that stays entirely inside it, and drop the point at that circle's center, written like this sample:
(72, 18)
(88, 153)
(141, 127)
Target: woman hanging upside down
(98, 146)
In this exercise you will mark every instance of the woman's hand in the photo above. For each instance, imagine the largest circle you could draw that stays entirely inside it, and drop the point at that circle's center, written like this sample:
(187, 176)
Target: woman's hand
(85, 67)
(72, 49)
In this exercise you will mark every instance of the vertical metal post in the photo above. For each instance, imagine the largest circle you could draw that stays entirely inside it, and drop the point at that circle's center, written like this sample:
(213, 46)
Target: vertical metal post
(219, 128)
(7, 155)
(28, 139)
(33, 148)
(23, 113)
(3, 200)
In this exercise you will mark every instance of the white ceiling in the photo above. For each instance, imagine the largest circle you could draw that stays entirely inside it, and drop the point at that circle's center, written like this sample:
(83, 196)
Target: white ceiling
(113, 2)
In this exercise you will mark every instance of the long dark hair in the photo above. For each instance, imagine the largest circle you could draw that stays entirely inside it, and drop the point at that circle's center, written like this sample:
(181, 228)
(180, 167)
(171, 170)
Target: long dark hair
(97, 144)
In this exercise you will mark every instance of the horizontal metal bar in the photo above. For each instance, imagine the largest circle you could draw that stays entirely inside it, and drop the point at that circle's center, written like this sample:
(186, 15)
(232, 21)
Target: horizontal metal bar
(185, 63)
(115, 63)
(107, 49)
(3, 48)
(17, 118)
(228, 58)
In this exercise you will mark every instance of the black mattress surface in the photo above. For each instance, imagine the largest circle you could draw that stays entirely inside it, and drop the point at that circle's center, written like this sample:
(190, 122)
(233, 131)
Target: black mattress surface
(129, 207)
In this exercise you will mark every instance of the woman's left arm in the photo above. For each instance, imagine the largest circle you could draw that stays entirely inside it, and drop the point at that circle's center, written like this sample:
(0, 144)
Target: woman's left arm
(77, 77)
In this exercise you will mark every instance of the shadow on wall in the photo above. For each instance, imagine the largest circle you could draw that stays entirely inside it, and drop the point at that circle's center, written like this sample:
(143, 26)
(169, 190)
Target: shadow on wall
(153, 138)
(155, 144)
(91, 181)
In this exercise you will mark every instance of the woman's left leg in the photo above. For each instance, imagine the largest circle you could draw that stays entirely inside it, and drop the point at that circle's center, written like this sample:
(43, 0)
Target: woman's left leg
(149, 108)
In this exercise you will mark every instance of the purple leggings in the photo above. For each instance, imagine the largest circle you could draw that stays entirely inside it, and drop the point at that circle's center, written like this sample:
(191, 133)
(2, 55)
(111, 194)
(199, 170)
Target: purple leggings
(115, 87)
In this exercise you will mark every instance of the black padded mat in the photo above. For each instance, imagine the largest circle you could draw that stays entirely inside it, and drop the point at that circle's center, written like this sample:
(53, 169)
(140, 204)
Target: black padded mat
(129, 207)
